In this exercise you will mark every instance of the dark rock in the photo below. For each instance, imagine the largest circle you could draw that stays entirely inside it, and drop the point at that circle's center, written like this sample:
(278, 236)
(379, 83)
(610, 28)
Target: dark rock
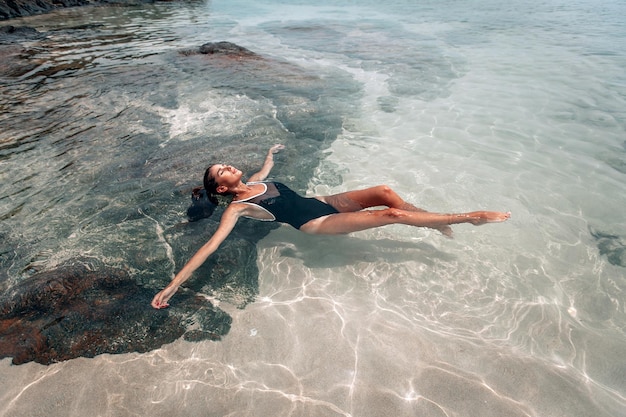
(610, 246)
(85, 310)
(13, 57)
(14, 34)
(17, 30)
(77, 310)
(225, 48)
(10, 9)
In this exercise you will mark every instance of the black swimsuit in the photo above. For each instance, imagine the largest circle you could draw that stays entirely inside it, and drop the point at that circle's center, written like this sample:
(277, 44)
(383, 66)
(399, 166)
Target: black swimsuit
(286, 206)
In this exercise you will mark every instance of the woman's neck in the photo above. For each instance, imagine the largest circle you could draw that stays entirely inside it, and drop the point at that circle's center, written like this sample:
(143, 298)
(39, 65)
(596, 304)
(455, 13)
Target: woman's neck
(240, 190)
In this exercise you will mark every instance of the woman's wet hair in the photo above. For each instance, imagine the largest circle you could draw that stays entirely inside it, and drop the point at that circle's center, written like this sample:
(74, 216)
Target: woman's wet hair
(204, 200)
(210, 185)
(201, 206)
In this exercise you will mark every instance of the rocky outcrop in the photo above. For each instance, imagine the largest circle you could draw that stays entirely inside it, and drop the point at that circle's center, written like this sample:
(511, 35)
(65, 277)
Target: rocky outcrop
(51, 313)
(10, 9)
(82, 309)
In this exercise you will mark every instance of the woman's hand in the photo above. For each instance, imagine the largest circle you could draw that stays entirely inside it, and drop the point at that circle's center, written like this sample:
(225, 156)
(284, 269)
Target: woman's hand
(267, 165)
(160, 300)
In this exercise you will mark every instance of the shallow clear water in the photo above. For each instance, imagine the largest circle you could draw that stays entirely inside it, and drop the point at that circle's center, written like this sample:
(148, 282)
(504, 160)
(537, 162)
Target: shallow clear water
(479, 105)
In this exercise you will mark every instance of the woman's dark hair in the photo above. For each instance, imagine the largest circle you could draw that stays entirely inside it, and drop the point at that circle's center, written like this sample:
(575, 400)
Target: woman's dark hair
(210, 185)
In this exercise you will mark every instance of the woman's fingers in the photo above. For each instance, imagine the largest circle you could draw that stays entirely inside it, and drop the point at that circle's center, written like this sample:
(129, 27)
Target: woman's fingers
(277, 148)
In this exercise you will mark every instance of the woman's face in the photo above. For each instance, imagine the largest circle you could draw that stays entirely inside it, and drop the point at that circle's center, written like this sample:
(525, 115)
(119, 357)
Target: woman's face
(226, 175)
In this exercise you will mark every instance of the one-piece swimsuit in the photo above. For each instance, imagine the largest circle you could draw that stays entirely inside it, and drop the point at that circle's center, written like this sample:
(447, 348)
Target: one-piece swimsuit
(286, 206)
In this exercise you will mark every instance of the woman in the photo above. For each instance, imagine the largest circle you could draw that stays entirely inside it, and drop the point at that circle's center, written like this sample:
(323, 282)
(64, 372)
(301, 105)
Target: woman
(335, 214)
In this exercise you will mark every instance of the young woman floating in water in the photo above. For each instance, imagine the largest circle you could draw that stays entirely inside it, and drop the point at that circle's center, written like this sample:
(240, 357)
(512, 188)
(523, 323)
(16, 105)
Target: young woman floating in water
(331, 215)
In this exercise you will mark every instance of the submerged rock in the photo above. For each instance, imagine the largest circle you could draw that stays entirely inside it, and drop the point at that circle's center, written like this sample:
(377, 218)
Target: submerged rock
(81, 310)
(13, 56)
(611, 246)
(10, 32)
(142, 192)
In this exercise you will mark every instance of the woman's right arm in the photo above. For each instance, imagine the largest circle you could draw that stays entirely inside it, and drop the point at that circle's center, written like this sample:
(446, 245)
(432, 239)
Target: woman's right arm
(267, 165)
(227, 223)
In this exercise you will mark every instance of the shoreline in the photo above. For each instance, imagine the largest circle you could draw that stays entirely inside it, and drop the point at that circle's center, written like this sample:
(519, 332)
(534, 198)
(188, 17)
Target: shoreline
(23, 8)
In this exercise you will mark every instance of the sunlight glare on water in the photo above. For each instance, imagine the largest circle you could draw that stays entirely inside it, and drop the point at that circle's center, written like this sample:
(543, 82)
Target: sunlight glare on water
(458, 107)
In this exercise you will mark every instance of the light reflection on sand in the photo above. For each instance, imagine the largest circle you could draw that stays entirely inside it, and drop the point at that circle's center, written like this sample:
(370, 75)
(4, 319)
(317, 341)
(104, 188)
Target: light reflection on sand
(324, 341)
(352, 326)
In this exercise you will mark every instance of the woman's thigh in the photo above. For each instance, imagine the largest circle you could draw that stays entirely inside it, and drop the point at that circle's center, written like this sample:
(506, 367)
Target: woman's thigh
(356, 200)
(348, 222)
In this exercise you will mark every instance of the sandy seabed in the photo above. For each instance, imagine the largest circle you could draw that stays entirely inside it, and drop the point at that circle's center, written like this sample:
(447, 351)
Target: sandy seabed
(318, 342)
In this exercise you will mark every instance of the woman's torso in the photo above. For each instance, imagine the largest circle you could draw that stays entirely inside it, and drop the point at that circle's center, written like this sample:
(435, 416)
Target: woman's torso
(276, 201)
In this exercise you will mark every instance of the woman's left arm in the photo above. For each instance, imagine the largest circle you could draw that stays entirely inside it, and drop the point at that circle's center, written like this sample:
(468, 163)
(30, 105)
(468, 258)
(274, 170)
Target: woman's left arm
(267, 165)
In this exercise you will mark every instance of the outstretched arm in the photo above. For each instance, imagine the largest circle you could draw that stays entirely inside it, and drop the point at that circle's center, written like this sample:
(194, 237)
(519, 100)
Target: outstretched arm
(267, 165)
(228, 221)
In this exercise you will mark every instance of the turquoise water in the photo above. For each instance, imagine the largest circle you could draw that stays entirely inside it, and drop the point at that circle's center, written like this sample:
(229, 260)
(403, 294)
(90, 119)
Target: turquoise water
(456, 105)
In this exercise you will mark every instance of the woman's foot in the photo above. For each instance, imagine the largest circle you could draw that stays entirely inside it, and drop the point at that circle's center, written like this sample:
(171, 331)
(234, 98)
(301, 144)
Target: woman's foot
(481, 217)
(445, 230)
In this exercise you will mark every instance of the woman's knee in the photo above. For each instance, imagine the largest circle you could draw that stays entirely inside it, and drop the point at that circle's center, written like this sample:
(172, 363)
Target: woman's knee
(393, 213)
(387, 194)
(384, 189)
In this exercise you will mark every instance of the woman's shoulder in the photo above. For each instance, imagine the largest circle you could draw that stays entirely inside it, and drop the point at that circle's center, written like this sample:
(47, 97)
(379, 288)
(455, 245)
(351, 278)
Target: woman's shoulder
(236, 210)
(256, 189)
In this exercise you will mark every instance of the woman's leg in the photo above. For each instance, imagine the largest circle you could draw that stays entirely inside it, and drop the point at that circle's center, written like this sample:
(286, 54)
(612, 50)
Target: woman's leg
(381, 195)
(347, 222)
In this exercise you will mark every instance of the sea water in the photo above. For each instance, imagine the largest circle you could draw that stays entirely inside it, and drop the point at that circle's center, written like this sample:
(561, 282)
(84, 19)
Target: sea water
(461, 106)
